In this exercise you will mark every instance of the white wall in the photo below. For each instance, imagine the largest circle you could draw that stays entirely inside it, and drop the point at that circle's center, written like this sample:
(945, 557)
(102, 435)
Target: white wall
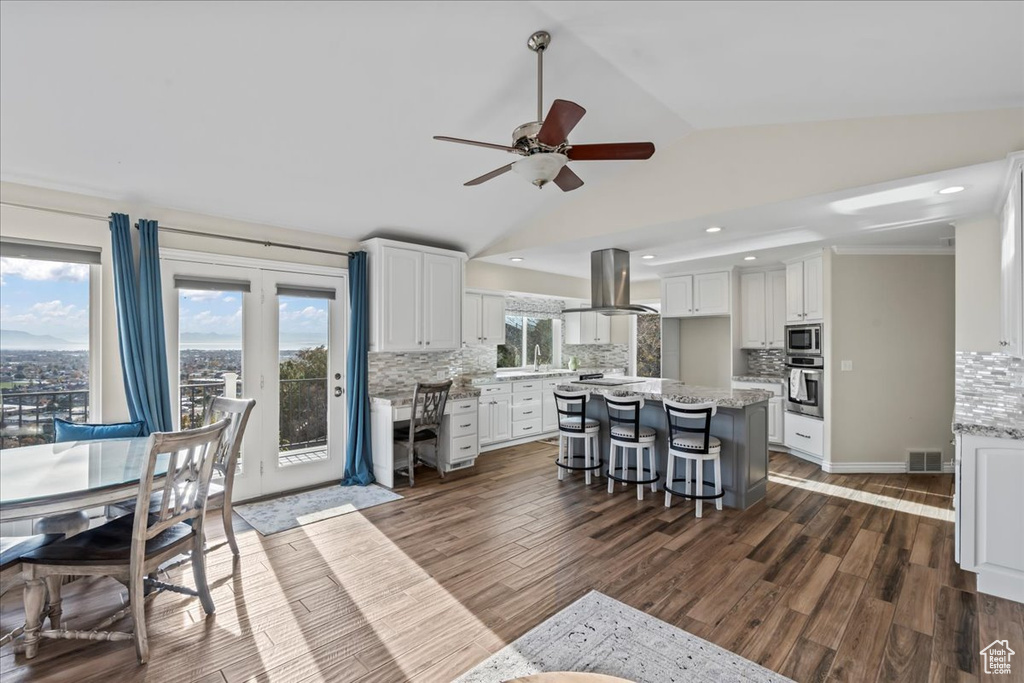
(978, 290)
(108, 388)
(705, 351)
(894, 317)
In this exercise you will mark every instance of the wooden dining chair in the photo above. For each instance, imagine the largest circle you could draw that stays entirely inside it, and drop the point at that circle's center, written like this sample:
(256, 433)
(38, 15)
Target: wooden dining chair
(428, 403)
(131, 548)
(12, 548)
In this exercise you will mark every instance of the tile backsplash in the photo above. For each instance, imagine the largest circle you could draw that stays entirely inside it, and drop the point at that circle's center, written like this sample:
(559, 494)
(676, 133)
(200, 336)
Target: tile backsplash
(990, 388)
(766, 361)
(396, 371)
(597, 355)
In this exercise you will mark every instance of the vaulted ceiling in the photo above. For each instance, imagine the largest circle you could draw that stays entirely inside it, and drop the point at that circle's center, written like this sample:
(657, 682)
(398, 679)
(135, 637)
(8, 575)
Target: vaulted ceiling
(319, 115)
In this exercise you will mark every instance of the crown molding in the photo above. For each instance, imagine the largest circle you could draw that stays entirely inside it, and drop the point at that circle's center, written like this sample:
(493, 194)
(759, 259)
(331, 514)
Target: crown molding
(893, 251)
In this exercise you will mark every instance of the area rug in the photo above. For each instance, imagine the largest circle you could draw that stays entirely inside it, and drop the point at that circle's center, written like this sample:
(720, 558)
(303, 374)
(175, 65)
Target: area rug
(287, 512)
(597, 634)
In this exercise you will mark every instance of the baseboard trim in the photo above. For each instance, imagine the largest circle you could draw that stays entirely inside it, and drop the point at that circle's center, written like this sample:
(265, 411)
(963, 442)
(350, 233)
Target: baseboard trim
(865, 467)
(517, 442)
(809, 457)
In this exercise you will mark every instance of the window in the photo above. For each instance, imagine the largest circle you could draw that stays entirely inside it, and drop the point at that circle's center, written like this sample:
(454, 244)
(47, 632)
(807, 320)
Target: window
(209, 346)
(45, 360)
(522, 335)
(648, 345)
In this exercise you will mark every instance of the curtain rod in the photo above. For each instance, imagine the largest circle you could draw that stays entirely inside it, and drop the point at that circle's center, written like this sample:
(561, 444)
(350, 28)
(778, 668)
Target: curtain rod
(181, 231)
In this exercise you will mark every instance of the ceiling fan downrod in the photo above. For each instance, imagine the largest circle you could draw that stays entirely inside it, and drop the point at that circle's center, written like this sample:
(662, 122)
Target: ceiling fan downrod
(539, 42)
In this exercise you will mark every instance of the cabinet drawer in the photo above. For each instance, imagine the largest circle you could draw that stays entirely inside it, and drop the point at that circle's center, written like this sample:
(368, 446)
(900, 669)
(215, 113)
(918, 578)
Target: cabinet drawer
(462, 424)
(526, 386)
(495, 389)
(465, 405)
(532, 398)
(528, 412)
(526, 428)
(804, 434)
(464, 448)
(552, 384)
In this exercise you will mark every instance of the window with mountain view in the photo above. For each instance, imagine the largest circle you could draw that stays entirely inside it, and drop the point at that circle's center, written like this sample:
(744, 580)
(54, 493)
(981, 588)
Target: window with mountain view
(44, 347)
(209, 348)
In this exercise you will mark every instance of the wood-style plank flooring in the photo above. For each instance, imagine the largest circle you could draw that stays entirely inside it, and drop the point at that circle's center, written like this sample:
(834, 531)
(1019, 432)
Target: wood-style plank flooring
(846, 578)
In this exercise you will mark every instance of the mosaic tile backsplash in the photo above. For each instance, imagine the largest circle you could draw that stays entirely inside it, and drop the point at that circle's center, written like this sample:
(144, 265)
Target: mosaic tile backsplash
(597, 355)
(990, 389)
(395, 371)
(766, 362)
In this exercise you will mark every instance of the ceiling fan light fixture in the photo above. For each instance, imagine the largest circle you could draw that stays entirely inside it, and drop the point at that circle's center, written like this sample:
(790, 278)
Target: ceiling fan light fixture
(540, 169)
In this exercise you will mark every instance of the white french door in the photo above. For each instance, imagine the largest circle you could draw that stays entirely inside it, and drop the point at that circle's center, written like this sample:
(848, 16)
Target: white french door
(257, 330)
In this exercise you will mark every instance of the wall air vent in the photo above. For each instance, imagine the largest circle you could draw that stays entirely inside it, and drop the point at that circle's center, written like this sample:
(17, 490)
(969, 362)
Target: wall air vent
(924, 462)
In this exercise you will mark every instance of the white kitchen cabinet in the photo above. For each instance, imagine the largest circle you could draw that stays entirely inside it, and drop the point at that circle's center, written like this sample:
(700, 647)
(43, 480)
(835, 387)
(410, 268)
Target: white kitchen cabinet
(775, 309)
(587, 328)
(1011, 338)
(494, 423)
(805, 290)
(990, 512)
(776, 420)
(483, 319)
(805, 434)
(752, 311)
(416, 297)
(550, 409)
(703, 294)
(501, 418)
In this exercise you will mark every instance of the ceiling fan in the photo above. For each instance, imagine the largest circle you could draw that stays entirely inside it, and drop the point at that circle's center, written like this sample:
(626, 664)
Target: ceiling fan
(544, 143)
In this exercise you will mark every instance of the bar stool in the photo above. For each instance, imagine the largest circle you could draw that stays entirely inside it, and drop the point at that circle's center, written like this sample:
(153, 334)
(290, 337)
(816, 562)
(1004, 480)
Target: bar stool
(574, 425)
(628, 434)
(692, 444)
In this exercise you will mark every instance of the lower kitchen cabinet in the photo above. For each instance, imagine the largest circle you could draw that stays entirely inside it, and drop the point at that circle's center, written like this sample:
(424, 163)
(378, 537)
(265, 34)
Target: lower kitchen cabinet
(776, 420)
(805, 434)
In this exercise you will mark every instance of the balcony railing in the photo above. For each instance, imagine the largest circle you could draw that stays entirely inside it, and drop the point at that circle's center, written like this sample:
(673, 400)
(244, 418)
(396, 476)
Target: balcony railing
(28, 415)
(303, 421)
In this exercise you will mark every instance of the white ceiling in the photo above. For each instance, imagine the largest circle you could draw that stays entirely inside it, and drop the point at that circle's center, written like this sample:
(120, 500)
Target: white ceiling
(319, 115)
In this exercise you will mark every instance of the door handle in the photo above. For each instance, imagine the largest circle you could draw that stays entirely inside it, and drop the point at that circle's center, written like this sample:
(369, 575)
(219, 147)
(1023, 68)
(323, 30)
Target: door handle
(338, 391)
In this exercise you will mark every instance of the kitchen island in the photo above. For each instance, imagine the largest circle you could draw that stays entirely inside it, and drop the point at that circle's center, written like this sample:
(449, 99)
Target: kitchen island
(741, 424)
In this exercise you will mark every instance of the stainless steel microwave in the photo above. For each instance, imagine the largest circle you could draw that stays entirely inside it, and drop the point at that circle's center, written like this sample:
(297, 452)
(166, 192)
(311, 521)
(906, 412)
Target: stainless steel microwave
(803, 340)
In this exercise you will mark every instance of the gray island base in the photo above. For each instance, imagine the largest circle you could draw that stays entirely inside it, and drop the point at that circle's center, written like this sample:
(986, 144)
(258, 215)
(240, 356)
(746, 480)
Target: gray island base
(741, 424)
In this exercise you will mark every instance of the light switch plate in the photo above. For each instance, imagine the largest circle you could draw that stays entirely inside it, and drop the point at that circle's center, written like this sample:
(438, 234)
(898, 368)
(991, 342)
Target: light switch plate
(846, 365)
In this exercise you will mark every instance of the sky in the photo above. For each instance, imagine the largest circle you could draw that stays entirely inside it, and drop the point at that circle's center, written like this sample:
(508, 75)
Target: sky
(46, 298)
(51, 298)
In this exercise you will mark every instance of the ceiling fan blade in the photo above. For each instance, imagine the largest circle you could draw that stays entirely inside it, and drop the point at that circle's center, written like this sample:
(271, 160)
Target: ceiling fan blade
(611, 151)
(561, 119)
(490, 145)
(487, 176)
(567, 180)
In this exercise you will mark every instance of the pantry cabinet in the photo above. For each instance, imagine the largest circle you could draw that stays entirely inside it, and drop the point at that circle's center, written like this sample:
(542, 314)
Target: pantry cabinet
(805, 290)
(703, 294)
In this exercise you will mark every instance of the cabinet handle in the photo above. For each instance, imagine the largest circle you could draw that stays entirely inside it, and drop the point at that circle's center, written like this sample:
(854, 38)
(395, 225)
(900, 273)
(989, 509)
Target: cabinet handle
(526, 429)
(428, 343)
(527, 412)
(697, 310)
(803, 435)
(465, 448)
(464, 426)
(1004, 343)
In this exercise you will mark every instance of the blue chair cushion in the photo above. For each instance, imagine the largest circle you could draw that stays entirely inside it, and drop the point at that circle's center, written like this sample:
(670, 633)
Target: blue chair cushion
(76, 431)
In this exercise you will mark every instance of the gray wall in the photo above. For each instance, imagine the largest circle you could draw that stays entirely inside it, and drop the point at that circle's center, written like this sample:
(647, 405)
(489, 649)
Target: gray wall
(894, 317)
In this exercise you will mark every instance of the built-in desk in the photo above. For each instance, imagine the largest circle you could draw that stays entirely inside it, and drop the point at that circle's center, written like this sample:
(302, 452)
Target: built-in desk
(460, 444)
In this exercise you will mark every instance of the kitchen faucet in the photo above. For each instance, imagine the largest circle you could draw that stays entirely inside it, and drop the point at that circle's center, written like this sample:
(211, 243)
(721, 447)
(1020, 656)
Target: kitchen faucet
(536, 358)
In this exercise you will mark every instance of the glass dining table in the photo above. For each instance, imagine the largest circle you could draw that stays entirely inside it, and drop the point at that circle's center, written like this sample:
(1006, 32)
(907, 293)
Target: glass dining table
(50, 479)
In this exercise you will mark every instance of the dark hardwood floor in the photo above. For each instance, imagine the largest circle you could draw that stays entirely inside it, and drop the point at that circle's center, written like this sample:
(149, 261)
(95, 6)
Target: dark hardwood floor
(846, 578)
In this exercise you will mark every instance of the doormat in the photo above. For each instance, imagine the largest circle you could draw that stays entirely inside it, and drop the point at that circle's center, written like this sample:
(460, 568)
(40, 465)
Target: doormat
(287, 512)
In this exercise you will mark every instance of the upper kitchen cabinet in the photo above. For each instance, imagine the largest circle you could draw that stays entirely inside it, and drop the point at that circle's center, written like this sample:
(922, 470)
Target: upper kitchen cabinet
(585, 327)
(483, 319)
(704, 294)
(1011, 338)
(763, 309)
(804, 290)
(415, 296)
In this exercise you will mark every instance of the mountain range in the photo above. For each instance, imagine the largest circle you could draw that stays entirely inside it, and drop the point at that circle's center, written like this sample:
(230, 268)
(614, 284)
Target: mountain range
(18, 340)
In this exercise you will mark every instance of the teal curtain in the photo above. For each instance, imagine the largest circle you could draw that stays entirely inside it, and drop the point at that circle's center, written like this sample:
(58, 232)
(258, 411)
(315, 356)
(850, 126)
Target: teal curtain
(140, 324)
(358, 455)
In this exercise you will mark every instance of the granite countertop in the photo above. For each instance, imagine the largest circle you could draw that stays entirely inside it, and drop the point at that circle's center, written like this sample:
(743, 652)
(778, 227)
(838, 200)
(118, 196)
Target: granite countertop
(995, 426)
(404, 397)
(766, 379)
(658, 389)
(493, 378)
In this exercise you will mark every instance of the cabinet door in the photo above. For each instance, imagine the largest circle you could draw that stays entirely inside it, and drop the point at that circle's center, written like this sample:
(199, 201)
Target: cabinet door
(573, 328)
(492, 320)
(442, 305)
(401, 299)
(550, 412)
(472, 334)
(501, 419)
(1011, 337)
(484, 422)
(588, 328)
(776, 414)
(814, 307)
(711, 294)
(602, 329)
(753, 311)
(677, 296)
(795, 292)
(775, 310)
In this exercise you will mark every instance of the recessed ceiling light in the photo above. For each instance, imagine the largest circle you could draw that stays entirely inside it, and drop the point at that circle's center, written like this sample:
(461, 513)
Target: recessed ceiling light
(647, 257)
(952, 190)
(713, 228)
(516, 259)
(749, 258)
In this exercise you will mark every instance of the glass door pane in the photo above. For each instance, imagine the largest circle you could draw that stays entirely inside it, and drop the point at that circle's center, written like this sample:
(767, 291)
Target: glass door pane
(303, 343)
(209, 350)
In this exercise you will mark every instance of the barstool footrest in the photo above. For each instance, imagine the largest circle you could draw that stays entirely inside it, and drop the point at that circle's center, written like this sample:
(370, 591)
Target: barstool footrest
(693, 496)
(622, 480)
(566, 466)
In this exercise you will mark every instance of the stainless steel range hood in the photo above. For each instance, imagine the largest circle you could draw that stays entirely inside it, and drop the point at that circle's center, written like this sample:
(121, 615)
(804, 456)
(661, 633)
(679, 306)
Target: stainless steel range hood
(609, 285)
